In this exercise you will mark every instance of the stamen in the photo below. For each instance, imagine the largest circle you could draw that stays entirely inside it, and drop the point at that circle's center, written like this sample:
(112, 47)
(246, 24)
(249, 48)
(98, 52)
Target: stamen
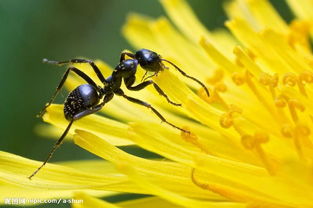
(301, 87)
(251, 55)
(248, 142)
(238, 78)
(217, 76)
(219, 87)
(299, 34)
(222, 190)
(306, 77)
(297, 144)
(290, 79)
(301, 140)
(259, 96)
(287, 131)
(226, 120)
(265, 79)
(193, 139)
(299, 133)
(302, 130)
(202, 94)
(280, 101)
(270, 81)
(197, 183)
(238, 62)
(254, 143)
(265, 160)
(293, 105)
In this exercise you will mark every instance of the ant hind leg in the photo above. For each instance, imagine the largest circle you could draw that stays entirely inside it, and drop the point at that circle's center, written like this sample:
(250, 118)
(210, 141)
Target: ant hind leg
(55, 147)
(157, 113)
(79, 61)
(59, 87)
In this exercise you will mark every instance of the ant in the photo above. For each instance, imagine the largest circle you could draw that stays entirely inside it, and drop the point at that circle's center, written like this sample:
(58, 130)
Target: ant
(85, 99)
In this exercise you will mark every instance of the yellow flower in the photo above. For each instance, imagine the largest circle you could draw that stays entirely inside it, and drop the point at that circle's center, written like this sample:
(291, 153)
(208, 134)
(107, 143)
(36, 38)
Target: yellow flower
(251, 142)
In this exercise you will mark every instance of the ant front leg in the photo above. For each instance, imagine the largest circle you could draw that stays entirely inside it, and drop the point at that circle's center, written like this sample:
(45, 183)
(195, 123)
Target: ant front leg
(59, 87)
(130, 81)
(79, 61)
(147, 105)
(124, 54)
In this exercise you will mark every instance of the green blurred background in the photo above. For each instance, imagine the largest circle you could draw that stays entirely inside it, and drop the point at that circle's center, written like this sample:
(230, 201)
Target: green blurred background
(63, 29)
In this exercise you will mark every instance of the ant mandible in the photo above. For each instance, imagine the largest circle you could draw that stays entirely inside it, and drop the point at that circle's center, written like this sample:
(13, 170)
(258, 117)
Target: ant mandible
(85, 99)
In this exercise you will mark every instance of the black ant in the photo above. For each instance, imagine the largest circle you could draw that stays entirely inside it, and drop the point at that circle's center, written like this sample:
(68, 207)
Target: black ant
(85, 99)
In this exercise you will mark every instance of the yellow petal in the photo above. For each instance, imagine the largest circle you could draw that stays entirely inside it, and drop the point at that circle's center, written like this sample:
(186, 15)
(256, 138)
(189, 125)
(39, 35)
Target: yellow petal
(171, 196)
(234, 173)
(217, 57)
(185, 19)
(102, 126)
(139, 25)
(55, 180)
(161, 172)
(254, 41)
(259, 13)
(302, 8)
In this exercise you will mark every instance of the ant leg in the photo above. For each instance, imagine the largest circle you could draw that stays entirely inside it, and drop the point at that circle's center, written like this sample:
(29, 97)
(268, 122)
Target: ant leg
(140, 102)
(186, 75)
(79, 73)
(130, 81)
(161, 92)
(56, 145)
(95, 109)
(124, 54)
(79, 61)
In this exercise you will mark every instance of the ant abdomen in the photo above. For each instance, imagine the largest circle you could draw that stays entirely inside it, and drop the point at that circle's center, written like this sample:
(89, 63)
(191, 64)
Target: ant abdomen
(80, 99)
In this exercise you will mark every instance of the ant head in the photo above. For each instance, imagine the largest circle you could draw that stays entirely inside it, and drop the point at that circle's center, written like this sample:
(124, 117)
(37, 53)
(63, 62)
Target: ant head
(149, 60)
(127, 67)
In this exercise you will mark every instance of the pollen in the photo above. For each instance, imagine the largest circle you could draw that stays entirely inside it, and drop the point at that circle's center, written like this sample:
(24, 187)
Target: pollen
(193, 139)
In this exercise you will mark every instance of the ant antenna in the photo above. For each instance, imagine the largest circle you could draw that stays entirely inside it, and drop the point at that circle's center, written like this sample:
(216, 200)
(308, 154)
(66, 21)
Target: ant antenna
(143, 77)
(152, 75)
(56, 145)
(186, 75)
